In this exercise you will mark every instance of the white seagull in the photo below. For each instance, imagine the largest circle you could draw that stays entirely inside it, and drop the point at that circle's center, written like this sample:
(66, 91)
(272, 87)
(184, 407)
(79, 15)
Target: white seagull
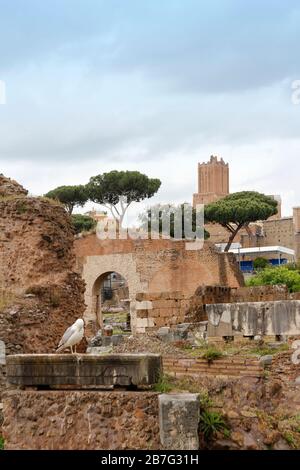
(72, 336)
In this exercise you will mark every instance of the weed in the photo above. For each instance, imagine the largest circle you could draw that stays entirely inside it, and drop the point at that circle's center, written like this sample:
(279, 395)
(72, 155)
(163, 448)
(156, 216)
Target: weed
(205, 401)
(211, 353)
(266, 350)
(1, 443)
(212, 422)
(163, 385)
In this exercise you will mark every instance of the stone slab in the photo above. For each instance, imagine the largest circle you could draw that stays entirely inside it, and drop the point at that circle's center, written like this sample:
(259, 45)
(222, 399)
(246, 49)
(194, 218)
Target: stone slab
(179, 416)
(34, 370)
(272, 318)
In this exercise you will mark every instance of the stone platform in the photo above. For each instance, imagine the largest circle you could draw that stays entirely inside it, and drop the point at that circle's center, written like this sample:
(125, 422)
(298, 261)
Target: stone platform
(83, 370)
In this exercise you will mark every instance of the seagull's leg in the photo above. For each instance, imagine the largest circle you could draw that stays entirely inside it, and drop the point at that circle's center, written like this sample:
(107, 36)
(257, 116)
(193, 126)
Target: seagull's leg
(75, 349)
(71, 349)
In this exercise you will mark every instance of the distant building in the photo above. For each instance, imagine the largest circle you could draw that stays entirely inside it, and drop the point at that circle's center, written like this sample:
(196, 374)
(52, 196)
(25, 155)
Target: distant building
(213, 181)
(213, 185)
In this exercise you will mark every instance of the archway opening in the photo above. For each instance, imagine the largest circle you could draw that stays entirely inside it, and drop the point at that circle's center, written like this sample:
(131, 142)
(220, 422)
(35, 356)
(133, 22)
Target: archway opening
(112, 303)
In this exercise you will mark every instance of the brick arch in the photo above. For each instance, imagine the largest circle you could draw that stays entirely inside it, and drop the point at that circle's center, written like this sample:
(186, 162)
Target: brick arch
(95, 269)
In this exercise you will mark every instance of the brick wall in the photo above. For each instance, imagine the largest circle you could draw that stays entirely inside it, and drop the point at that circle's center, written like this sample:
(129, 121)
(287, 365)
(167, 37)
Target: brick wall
(258, 294)
(154, 310)
(195, 368)
(156, 266)
(80, 420)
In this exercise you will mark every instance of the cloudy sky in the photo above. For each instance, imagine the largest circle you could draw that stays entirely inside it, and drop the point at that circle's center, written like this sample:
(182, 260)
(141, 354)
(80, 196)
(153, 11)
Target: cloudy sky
(151, 85)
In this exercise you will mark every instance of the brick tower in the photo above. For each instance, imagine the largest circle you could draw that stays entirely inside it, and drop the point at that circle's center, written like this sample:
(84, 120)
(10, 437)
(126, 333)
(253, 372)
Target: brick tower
(213, 181)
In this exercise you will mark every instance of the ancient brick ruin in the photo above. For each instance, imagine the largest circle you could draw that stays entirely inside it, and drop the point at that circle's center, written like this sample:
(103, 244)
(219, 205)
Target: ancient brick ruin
(48, 280)
(40, 292)
(159, 267)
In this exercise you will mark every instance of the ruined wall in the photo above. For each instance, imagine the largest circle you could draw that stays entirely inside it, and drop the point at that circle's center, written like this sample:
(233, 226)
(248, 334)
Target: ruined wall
(154, 310)
(36, 243)
(40, 292)
(158, 309)
(258, 294)
(152, 266)
(81, 420)
(237, 366)
(279, 232)
(9, 187)
(219, 295)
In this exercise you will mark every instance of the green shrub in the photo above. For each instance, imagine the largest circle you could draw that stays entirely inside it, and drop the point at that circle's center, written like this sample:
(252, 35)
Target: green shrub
(163, 385)
(260, 263)
(212, 422)
(211, 353)
(1, 443)
(276, 276)
(83, 223)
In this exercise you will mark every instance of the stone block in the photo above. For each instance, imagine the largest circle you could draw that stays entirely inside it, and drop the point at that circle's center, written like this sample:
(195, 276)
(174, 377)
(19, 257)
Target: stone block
(144, 305)
(99, 349)
(266, 360)
(83, 369)
(141, 322)
(142, 313)
(296, 344)
(164, 330)
(141, 296)
(179, 419)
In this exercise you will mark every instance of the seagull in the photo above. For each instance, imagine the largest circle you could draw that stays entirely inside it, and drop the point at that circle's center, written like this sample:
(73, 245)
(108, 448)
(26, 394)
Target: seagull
(72, 336)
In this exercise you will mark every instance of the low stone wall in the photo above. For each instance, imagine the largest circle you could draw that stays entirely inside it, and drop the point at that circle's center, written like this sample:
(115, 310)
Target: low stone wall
(81, 420)
(154, 310)
(254, 318)
(229, 367)
(258, 294)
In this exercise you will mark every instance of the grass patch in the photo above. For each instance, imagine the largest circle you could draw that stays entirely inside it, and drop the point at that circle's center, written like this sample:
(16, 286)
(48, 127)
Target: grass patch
(1, 443)
(205, 401)
(53, 202)
(265, 350)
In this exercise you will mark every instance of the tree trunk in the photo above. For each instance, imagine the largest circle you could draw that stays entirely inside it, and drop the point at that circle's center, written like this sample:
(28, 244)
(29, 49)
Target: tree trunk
(231, 238)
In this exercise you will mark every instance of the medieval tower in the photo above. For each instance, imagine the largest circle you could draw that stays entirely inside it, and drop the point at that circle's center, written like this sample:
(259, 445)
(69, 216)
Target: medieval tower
(213, 181)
